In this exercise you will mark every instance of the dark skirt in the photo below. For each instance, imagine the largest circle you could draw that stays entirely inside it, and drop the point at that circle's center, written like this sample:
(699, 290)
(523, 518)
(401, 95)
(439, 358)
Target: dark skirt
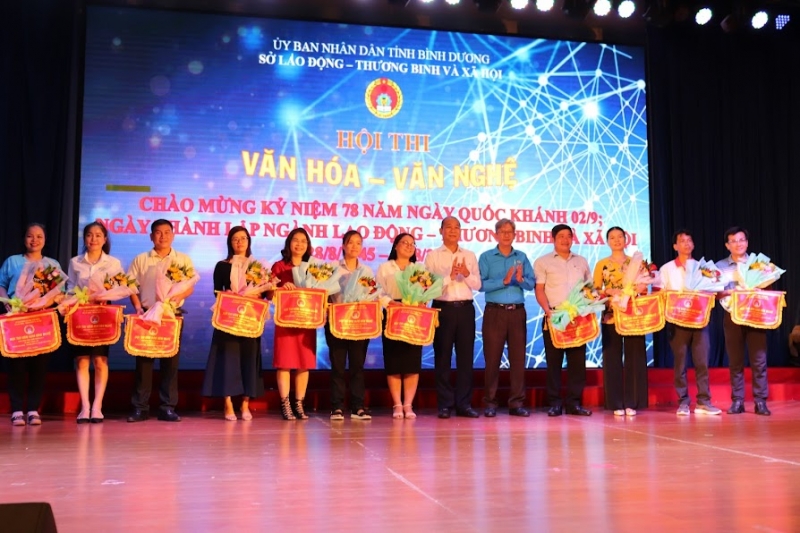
(234, 366)
(91, 351)
(400, 357)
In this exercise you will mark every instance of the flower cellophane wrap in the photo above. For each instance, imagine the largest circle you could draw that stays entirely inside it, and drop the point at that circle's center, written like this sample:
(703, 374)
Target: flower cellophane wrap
(250, 279)
(317, 275)
(102, 287)
(757, 272)
(171, 279)
(636, 272)
(417, 285)
(582, 300)
(361, 288)
(703, 276)
(39, 284)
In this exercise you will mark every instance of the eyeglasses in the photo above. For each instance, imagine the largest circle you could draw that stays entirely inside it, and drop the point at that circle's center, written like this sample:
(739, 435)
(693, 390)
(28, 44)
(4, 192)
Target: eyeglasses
(407, 243)
(737, 241)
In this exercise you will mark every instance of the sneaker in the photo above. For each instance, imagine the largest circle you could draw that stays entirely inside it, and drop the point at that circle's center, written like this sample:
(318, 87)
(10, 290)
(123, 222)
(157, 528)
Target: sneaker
(361, 414)
(337, 414)
(630, 412)
(17, 419)
(619, 412)
(706, 409)
(683, 410)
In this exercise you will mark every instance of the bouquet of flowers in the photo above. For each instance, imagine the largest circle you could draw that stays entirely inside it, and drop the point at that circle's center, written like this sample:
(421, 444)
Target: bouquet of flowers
(316, 275)
(39, 284)
(250, 278)
(582, 300)
(757, 272)
(637, 272)
(703, 276)
(417, 285)
(102, 287)
(361, 288)
(171, 279)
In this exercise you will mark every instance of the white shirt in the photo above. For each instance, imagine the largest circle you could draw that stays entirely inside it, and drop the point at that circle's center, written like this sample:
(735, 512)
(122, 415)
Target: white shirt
(143, 268)
(673, 275)
(387, 282)
(440, 262)
(81, 270)
(559, 275)
(362, 270)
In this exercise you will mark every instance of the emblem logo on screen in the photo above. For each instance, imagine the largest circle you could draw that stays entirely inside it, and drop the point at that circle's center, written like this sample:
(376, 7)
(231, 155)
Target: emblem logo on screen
(383, 98)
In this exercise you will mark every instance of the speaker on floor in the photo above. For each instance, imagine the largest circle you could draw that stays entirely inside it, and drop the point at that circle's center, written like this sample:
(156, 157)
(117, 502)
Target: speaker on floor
(27, 518)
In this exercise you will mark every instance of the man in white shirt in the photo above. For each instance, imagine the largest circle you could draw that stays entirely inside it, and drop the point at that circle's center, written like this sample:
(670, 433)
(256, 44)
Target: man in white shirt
(144, 268)
(458, 269)
(680, 338)
(556, 273)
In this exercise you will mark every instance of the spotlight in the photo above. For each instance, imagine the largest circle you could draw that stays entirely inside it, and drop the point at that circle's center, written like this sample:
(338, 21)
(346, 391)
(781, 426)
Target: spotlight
(759, 20)
(602, 8)
(626, 8)
(544, 5)
(576, 8)
(426, 1)
(519, 4)
(703, 16)
(781, 21)
(488, 5)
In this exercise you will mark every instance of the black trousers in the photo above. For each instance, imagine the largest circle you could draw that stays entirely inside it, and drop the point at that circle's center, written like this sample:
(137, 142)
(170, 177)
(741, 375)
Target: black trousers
(576, 371)
(503, 327)
(456, 329)
(624, 384)
(143, 380)
(27, 373)
(736, 338)
(680, 339)
(340, 351)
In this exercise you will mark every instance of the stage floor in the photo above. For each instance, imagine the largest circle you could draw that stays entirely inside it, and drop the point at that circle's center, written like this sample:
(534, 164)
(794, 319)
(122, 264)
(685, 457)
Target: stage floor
(653, 472)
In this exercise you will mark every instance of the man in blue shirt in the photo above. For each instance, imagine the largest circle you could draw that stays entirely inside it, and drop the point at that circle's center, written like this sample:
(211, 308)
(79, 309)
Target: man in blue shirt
(505, 274)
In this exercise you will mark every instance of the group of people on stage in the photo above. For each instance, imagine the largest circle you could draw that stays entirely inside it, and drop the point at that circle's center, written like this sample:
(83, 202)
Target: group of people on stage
(503, 274)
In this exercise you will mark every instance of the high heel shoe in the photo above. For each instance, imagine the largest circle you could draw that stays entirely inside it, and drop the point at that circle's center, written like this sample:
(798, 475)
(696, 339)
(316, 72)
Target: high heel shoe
(397, 411)
(408, 412)
(299, 411)
(82, 419)
(96, 417)
(286, 409)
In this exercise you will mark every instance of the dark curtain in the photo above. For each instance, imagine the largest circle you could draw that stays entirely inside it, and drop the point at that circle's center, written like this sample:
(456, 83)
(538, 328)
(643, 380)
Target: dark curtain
(724, 119)
(38, 102)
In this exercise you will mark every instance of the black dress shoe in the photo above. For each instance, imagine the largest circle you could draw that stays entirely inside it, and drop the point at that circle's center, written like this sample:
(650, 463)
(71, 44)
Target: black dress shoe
(168, 415)
(444, 412)
(469, 412)
(554, 411)
(519, 411)
(138, 415)
(761, 408)
(490, 412)
(736, 408)
(578, 410)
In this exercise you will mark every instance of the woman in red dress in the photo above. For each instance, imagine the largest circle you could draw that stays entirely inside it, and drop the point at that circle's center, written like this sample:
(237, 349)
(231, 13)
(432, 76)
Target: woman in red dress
(294, 348)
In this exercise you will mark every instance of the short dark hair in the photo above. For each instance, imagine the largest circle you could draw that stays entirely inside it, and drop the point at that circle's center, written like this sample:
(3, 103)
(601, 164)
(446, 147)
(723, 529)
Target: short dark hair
(678, 233)
(612, 228)
(234, 230)
(160, 222)
(733, 230)
(393, 253)
(559, 228)
(96, 224)
(286, 253)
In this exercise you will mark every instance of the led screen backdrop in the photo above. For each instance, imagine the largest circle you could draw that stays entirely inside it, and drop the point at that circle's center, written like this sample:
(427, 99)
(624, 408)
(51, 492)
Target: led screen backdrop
(212, 121)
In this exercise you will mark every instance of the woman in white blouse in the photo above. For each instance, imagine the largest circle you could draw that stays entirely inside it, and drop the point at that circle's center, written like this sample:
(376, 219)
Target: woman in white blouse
(401, 360)
(93, 263)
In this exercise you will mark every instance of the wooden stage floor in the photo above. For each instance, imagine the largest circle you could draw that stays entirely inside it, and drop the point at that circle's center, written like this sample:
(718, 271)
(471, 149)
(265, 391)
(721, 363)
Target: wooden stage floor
(654, 472)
